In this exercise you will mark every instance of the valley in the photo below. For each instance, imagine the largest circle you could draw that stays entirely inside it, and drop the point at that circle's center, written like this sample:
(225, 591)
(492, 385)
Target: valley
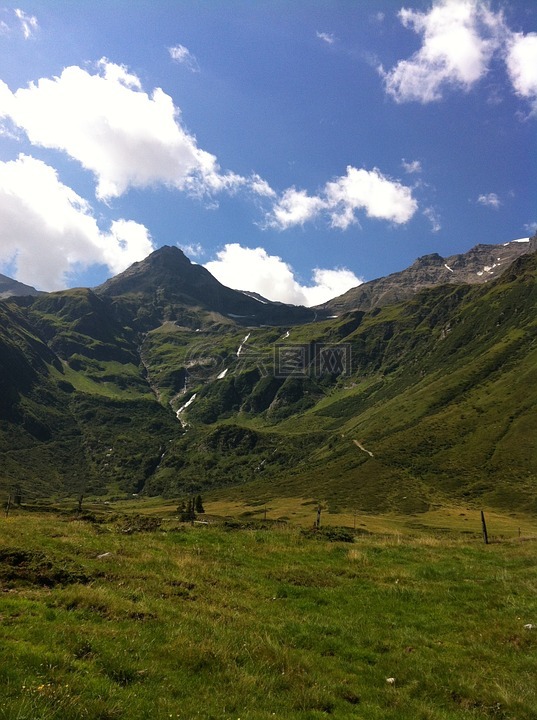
(164, 383)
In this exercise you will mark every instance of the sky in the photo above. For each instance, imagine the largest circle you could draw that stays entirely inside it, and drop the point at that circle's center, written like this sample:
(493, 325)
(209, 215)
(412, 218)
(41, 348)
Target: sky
(295, 149)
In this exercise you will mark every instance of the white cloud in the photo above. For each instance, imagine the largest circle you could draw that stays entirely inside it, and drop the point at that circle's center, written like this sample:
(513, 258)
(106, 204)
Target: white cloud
(371, 191)
(329, 284)
(295, 207)
(368, 190)
(194, 250)
(182, 55)
(459, 38)
(490, 199)
(431, 215)
(28, 23)
(49, 230)
(130, 139)
(328, 38)
(254, 270)
(522, 65)
(124, 136)
(531, 227)
(260, 187)
(411, 167)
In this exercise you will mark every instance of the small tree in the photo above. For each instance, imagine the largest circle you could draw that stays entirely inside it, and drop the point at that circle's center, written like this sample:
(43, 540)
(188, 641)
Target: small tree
(189, 514)
(199, 505)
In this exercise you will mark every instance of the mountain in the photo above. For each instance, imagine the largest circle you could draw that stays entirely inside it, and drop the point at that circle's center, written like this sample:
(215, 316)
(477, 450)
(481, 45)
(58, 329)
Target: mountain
(10, 288)
(167, 282)
(151, 384)
(479, 265)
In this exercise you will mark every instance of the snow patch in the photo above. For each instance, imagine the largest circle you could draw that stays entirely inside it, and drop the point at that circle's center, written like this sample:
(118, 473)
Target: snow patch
(242, 343)
(448, 268)
(222, 375)
(183, 408)
(263, 302)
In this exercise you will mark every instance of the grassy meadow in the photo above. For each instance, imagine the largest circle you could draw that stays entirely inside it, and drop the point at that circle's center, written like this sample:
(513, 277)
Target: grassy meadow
(124, 612)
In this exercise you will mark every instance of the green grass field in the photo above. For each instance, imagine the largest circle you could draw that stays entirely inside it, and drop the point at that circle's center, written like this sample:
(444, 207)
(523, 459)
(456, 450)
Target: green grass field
(412, 620)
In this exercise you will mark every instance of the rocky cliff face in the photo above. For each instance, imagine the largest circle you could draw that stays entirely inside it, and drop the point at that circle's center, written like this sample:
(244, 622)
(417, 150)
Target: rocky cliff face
(478, 265)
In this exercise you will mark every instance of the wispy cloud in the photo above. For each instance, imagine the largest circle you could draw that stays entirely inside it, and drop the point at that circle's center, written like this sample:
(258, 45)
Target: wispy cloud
(182, 55)
(194, 250)
(328, 38)
(28, 23)
(490, 200)
(432, 216)
(411, 167)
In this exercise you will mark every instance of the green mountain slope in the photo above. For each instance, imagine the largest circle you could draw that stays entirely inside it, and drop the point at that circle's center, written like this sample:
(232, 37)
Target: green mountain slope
(440, 402)
(151, 384)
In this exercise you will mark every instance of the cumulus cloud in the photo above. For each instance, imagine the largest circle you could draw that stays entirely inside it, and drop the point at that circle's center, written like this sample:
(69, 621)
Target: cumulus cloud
(182, 55)
(521, 62)
(124, 136)
(255, 270)
(295, 207)
(371, 191)
(458, 40)
(490, 199)
(128, 138)
(48, 230)
(367, 190)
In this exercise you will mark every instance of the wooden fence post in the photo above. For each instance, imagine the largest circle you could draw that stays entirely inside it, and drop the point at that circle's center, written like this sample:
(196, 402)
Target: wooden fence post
(484, 524)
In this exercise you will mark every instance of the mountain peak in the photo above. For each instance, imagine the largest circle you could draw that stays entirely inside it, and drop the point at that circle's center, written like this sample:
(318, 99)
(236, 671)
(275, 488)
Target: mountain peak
(167, 279)
(168, 251)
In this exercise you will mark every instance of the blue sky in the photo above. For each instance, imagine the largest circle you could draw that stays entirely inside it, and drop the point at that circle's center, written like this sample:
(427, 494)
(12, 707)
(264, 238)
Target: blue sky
(294, 148)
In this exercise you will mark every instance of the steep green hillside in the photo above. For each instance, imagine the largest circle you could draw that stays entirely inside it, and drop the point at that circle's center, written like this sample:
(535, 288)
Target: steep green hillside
(76, 413)
(441, 401)
(431, 399)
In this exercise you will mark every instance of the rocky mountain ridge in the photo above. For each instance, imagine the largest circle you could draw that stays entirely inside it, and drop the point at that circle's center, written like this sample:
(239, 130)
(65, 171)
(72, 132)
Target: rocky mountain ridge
(479, 265)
